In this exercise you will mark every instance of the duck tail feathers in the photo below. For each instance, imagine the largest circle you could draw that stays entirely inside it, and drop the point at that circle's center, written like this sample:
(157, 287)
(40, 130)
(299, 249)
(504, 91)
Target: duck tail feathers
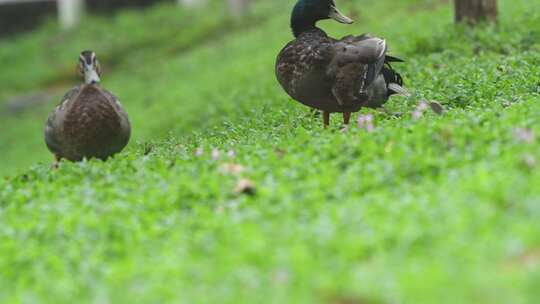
(398, 89)
(393, 59)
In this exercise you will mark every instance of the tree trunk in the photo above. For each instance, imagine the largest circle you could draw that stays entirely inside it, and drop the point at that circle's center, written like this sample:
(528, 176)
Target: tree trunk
(474, 11)
(69, 12)
(192, 3)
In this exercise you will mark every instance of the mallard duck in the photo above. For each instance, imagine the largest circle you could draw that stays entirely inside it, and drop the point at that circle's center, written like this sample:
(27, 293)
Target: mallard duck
(90, 121)
(334, 75)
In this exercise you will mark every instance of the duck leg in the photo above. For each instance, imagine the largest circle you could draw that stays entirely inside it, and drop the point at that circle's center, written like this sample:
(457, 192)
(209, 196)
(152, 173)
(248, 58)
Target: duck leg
(346, 120)
(326, 119)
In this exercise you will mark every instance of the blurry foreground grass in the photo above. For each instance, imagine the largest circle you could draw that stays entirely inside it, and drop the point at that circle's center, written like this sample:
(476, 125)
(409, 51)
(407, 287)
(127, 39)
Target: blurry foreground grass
(441, 209)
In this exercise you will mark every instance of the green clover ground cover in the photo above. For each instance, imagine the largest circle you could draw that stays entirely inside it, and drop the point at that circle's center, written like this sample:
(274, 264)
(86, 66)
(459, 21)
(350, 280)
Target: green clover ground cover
(435, 209)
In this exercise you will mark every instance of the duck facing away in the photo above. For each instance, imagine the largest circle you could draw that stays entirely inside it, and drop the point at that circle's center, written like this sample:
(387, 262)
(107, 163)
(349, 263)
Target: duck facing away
(334, 75)
(89, 122)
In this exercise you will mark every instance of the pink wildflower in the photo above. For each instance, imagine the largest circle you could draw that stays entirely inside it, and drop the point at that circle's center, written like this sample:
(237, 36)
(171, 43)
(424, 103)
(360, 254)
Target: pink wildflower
(420, 109)
(525, 135)
(422, 106)
(369, 123)
(366, 121)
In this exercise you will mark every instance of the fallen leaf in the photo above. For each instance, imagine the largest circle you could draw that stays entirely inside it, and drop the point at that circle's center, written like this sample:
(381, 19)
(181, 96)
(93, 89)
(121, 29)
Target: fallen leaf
(529, 161)
(230, 168)
(529, 259)
(245, 186)
(350, 299)
(436, 107)
(280, 152)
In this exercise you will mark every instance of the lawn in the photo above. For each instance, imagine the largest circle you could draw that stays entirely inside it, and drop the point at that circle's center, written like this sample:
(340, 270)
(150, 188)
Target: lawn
(232, 193)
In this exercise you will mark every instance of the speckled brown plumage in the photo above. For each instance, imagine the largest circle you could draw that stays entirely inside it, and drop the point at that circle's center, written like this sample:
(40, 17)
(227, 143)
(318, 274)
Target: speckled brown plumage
(301, 68)
(88, 123)
(336, 75)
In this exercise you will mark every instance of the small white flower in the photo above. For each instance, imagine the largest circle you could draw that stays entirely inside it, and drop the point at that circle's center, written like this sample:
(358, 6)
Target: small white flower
(215, 154)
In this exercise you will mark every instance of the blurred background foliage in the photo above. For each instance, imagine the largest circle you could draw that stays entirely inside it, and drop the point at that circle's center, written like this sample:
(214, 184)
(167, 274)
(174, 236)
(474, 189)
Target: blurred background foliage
(441, 209)
(39, 66)
(180, 69)
(16, 17)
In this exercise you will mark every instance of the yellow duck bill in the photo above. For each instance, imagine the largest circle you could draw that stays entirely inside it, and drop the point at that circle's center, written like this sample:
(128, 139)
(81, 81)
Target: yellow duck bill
(338, 16)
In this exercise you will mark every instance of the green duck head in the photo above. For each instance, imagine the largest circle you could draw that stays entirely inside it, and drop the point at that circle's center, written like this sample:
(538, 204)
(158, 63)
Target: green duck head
(307, 12)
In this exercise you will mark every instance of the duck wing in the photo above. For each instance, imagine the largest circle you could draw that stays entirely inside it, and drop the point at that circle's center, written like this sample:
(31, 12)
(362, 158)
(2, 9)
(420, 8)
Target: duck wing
(356, 63)
(125, 125)
(369, 51)
(301, 65)
(53, 127)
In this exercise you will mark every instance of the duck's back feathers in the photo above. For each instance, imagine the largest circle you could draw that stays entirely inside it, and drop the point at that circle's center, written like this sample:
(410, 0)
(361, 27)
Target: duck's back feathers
(89, 122)
(393, 59)
(336, 75)
(356, 64)
(55, 121)
(391, 76)
(302, 60)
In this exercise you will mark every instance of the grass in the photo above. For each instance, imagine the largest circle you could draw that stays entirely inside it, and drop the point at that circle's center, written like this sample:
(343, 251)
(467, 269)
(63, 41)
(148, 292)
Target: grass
(441, 209)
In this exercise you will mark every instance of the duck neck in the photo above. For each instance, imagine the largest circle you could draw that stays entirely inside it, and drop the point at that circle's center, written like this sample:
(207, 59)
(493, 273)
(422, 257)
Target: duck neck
(301, 25)
(91, 77)
(301, 19)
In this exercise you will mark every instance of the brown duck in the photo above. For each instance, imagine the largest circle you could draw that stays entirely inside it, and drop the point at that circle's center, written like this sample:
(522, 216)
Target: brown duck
(334, 75)
(89, 122)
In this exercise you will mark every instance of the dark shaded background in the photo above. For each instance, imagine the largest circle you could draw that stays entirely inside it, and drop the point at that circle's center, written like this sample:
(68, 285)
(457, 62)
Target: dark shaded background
(22, 17)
